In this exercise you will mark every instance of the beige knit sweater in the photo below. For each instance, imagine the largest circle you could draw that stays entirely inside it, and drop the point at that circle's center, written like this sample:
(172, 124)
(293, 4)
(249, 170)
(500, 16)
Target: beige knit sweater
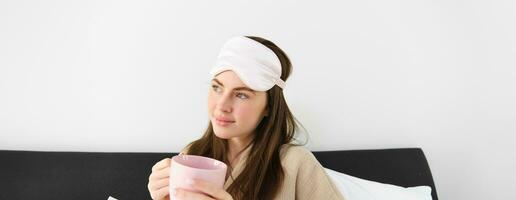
(305, 178)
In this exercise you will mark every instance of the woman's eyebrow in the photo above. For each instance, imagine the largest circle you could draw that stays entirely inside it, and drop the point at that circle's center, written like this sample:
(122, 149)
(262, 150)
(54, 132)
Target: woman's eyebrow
(237, 88)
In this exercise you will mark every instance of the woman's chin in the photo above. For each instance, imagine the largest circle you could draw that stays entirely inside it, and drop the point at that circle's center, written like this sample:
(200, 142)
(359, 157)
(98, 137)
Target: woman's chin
(221, 134)
(221, 131)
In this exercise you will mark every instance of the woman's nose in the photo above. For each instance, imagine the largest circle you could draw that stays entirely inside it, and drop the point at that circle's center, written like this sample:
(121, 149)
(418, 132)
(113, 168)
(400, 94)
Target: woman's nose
(224, 103)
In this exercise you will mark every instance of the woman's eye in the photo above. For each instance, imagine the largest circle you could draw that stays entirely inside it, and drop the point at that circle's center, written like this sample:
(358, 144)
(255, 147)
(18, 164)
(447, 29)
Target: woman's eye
(215, 88)
(242, 96)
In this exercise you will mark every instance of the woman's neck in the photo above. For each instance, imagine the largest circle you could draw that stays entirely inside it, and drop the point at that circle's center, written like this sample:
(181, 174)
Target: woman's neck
(236, 147)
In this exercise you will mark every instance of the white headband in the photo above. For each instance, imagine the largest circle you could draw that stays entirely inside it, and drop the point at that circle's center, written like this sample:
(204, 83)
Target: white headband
(254, 63)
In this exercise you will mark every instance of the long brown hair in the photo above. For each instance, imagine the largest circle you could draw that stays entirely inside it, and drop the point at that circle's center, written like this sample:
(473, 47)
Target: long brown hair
(262, 179)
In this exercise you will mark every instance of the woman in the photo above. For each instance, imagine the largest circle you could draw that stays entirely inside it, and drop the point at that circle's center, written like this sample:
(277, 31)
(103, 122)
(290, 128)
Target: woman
(251, 129)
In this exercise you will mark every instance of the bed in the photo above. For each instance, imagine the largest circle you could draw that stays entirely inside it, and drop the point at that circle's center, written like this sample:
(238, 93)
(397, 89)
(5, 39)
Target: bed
(124, 175)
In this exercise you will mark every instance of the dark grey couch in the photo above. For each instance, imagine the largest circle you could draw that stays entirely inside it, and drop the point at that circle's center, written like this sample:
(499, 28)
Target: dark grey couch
(97, 175)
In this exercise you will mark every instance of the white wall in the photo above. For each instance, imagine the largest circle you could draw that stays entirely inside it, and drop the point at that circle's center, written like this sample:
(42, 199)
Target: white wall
(132, 76)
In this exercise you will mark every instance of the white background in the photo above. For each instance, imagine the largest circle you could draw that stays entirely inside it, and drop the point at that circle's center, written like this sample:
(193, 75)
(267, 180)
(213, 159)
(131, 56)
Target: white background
(132, 76)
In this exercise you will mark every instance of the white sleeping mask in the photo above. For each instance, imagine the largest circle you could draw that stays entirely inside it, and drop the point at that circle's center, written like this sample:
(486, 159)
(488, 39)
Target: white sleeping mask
(254, 63)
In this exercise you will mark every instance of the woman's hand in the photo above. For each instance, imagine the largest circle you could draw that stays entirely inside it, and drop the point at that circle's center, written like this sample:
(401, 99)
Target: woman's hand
(158, 180)
(211, 192)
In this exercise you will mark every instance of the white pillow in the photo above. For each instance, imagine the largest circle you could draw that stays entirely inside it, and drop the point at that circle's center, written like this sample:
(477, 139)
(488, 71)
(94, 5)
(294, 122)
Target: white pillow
(353, 188)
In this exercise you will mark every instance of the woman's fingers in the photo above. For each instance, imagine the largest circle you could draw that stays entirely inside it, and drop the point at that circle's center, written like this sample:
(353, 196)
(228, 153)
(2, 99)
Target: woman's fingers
(163, 173)
(211, 189)
(158, 188)
(158, 180)
(188, 195)
(160, 194)
(158, 184)
(161, 164)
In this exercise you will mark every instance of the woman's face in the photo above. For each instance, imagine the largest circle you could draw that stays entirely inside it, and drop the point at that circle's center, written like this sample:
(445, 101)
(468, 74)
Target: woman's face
(233, 108)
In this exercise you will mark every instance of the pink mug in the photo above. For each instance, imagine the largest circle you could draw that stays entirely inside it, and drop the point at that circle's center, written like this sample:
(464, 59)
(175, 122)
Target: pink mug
(185, 167)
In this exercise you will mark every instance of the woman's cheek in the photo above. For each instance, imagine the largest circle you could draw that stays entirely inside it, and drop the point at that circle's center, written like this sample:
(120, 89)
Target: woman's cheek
(211, 104)
(243, 112)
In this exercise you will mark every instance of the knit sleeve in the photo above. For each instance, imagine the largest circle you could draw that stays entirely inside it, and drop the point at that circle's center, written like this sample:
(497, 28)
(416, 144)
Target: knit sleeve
(312, 182)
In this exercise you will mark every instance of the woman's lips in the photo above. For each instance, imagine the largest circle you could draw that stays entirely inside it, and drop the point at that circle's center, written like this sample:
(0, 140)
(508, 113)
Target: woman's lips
(222, 122)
